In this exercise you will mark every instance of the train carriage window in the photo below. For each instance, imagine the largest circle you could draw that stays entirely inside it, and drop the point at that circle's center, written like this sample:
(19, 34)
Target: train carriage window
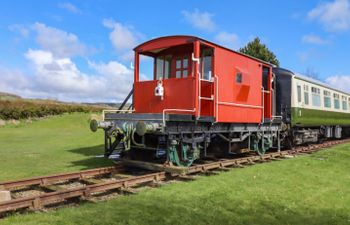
(344, 103)
(299, 93)
(306, 94)
(159, 68)
(327, 99)
(316, 98)
(239, 77)
(181, 66)
(206, 63)
(185, 63)
(163, 64)
(336, 101)
(265, 77)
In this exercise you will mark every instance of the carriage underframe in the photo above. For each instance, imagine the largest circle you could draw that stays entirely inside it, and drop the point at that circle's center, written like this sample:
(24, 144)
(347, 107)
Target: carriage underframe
(181, 139)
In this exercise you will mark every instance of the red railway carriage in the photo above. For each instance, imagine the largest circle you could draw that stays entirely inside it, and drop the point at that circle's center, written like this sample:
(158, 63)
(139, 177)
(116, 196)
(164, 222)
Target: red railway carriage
(204, 79)
(203, 100)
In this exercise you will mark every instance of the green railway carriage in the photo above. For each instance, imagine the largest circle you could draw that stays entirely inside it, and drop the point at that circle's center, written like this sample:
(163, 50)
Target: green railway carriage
(310, 110)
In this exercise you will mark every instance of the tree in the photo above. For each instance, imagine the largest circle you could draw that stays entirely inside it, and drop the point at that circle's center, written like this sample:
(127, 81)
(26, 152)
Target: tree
(310, 72)
(259, 50)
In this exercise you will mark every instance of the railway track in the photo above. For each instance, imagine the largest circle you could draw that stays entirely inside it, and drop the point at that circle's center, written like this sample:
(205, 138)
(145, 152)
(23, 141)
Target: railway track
(49, 191)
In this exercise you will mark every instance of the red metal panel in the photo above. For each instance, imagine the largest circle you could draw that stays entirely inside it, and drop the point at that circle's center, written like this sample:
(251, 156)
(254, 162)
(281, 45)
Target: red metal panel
(207, 105)
(238, 102)
(178, 94)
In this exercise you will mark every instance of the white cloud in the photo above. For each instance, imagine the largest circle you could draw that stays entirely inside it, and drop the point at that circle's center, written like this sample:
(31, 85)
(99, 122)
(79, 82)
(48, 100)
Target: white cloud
(59, 42)
(60, 78)
(119, 78)
(124, 38)
(339, 81)
(69, 7)
(55, 75)
(334, 16)
(314, 39)
(229, 40)
(13, 81)
(200, 20)
(21, 29)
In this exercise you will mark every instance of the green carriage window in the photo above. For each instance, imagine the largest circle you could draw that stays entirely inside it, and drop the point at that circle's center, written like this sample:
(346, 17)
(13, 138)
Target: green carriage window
(299, 93)
(327, 99)
(306, 94)
(336, 101)
(316, 98)
(344, 103)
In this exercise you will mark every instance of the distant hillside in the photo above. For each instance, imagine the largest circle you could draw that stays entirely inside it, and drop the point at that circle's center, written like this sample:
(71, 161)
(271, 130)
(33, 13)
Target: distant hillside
(8, 96)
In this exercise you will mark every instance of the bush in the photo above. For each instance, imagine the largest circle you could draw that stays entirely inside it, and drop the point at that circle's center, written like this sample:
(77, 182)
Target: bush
(24, 109)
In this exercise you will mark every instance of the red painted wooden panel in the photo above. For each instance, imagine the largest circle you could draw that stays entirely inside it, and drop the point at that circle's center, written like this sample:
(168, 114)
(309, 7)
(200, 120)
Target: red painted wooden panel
(248, 92)
(178, 94)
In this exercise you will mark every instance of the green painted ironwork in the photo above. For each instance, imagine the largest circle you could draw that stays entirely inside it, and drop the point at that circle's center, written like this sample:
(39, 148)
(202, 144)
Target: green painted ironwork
(260, 144)
(313, 117)
(188, 155)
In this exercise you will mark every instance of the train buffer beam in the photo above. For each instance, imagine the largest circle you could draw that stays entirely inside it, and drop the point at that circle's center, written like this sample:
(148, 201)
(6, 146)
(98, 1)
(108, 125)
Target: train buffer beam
(154, 166)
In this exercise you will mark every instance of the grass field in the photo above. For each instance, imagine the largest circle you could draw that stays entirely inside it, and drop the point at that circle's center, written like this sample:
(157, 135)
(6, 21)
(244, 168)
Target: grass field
(311, 189)
(53, 145)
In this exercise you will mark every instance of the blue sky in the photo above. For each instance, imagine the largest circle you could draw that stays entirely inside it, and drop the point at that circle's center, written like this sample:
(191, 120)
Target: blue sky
(81, 50)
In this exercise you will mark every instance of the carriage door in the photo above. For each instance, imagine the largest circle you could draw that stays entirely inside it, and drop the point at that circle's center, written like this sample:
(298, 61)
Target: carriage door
(267, 91)
(206, 94)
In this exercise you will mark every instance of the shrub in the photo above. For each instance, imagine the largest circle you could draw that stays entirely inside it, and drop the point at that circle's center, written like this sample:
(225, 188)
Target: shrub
(24, 109)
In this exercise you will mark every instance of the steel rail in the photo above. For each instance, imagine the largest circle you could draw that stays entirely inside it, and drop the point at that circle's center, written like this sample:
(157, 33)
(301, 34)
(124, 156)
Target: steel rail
(38, 202)
(45, 180)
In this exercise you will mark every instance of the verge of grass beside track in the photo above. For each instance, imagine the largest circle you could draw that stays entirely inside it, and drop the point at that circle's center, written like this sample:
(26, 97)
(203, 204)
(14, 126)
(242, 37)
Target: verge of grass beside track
(53, 145)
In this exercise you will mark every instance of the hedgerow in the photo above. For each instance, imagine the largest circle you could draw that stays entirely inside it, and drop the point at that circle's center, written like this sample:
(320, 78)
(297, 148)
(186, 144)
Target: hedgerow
(21, 109)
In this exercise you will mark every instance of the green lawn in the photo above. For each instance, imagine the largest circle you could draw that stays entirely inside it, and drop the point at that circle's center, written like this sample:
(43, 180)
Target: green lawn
(55, 145)
(311, 189)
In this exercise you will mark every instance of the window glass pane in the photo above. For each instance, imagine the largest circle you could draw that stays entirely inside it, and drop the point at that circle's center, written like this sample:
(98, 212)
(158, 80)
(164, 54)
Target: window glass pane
(207, 67)
(306, 98)
(178, 63)
(336, 104)
(299, 93)
(159, 68)
(265, 77)
(327, 102)
(178, 74)
(239, 77)
(185, 62)
(184, 73)
(167, 67)
(205, 64)
(345, 107)
(316, 100)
